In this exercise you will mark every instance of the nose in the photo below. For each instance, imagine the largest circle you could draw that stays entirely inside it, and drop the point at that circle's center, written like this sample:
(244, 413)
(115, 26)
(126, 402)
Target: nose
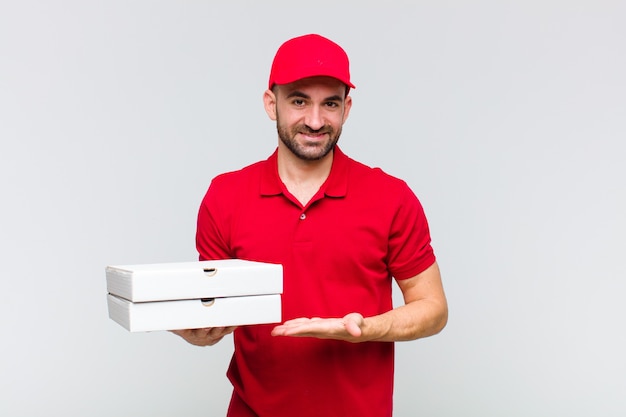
(314, 118)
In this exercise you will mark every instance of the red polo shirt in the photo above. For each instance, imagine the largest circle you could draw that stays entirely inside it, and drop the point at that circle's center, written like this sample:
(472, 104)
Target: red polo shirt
(339, 254)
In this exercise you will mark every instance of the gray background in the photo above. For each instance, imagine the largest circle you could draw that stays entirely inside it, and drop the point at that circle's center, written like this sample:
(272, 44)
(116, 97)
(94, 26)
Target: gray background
(506, 118)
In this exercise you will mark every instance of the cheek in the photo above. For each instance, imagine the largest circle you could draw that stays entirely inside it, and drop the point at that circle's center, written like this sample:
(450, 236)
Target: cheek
(289, 120)
(335, 120)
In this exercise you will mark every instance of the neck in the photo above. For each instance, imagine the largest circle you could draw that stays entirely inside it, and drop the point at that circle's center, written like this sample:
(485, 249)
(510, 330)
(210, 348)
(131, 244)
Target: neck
(302, 178)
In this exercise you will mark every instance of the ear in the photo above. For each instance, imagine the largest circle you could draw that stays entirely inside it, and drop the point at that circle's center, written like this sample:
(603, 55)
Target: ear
(269, 101)
(347, 105)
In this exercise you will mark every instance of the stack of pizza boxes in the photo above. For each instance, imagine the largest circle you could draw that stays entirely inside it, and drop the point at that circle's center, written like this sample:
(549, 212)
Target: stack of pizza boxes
(190, 295)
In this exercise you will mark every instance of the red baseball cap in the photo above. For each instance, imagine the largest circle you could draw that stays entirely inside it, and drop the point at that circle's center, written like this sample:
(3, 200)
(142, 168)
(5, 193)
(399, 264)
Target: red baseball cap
(309, 56)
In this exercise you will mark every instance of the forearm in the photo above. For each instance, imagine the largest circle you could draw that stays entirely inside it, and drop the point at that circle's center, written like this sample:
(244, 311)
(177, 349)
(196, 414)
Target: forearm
(415, 320)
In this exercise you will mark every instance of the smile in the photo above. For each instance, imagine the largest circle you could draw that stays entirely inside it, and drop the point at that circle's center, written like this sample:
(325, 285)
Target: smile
(313, 134)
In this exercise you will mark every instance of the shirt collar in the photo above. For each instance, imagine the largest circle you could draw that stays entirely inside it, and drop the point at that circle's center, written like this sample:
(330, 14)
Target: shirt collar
(335, 186)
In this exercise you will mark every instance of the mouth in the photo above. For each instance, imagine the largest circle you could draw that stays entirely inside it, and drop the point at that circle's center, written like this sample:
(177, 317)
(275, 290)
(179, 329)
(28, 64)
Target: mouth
(313, 136)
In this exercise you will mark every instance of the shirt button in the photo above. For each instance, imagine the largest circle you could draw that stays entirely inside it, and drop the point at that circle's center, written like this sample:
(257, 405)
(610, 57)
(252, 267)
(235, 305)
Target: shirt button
(302, 216)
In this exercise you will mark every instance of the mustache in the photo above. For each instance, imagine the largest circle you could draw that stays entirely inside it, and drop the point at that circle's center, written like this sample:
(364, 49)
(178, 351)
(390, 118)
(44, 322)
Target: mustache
(307, 129)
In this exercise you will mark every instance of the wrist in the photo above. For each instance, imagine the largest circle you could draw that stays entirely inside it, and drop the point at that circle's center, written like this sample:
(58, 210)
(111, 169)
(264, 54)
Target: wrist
(374, 328)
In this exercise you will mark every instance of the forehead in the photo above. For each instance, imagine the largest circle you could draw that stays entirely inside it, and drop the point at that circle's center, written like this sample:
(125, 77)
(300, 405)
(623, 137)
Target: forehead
(326, 86)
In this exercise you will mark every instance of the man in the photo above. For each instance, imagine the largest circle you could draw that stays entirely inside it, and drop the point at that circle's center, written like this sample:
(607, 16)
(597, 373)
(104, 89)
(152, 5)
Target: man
(342, 231)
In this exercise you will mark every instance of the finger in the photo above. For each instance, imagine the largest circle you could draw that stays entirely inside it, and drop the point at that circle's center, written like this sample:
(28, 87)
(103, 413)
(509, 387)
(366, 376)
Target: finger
(296, 321)
(220, 332)
(229, 330)
(184, 333)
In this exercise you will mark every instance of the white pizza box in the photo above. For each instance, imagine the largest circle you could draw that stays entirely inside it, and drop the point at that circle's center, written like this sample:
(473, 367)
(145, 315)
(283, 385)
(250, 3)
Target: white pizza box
(193, 280)
(193, 314)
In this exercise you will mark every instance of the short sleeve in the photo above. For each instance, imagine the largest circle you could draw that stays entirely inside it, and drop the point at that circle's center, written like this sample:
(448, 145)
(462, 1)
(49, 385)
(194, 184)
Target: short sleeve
(212, 235)
(410, 250)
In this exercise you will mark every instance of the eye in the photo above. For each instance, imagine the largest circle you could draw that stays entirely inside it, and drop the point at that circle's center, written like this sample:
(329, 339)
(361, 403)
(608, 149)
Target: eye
(298, 102)
(332, 104)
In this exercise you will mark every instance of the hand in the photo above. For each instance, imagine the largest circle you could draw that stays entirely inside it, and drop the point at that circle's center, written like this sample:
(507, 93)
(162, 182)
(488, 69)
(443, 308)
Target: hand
(207, 336)
(348, 328)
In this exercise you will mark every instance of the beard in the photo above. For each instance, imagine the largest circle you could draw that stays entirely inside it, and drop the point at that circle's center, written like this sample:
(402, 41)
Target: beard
(308, 151)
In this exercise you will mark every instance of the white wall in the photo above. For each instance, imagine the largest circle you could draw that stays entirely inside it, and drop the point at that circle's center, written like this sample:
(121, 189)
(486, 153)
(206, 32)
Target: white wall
(507, 119)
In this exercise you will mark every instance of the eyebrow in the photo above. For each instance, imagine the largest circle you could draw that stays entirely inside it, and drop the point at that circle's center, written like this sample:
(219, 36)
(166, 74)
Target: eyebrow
(334, 98)
(297, 93)
(300, 94)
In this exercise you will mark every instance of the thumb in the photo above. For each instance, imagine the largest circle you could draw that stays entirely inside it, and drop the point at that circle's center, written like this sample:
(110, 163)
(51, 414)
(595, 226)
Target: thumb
(352, 323)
